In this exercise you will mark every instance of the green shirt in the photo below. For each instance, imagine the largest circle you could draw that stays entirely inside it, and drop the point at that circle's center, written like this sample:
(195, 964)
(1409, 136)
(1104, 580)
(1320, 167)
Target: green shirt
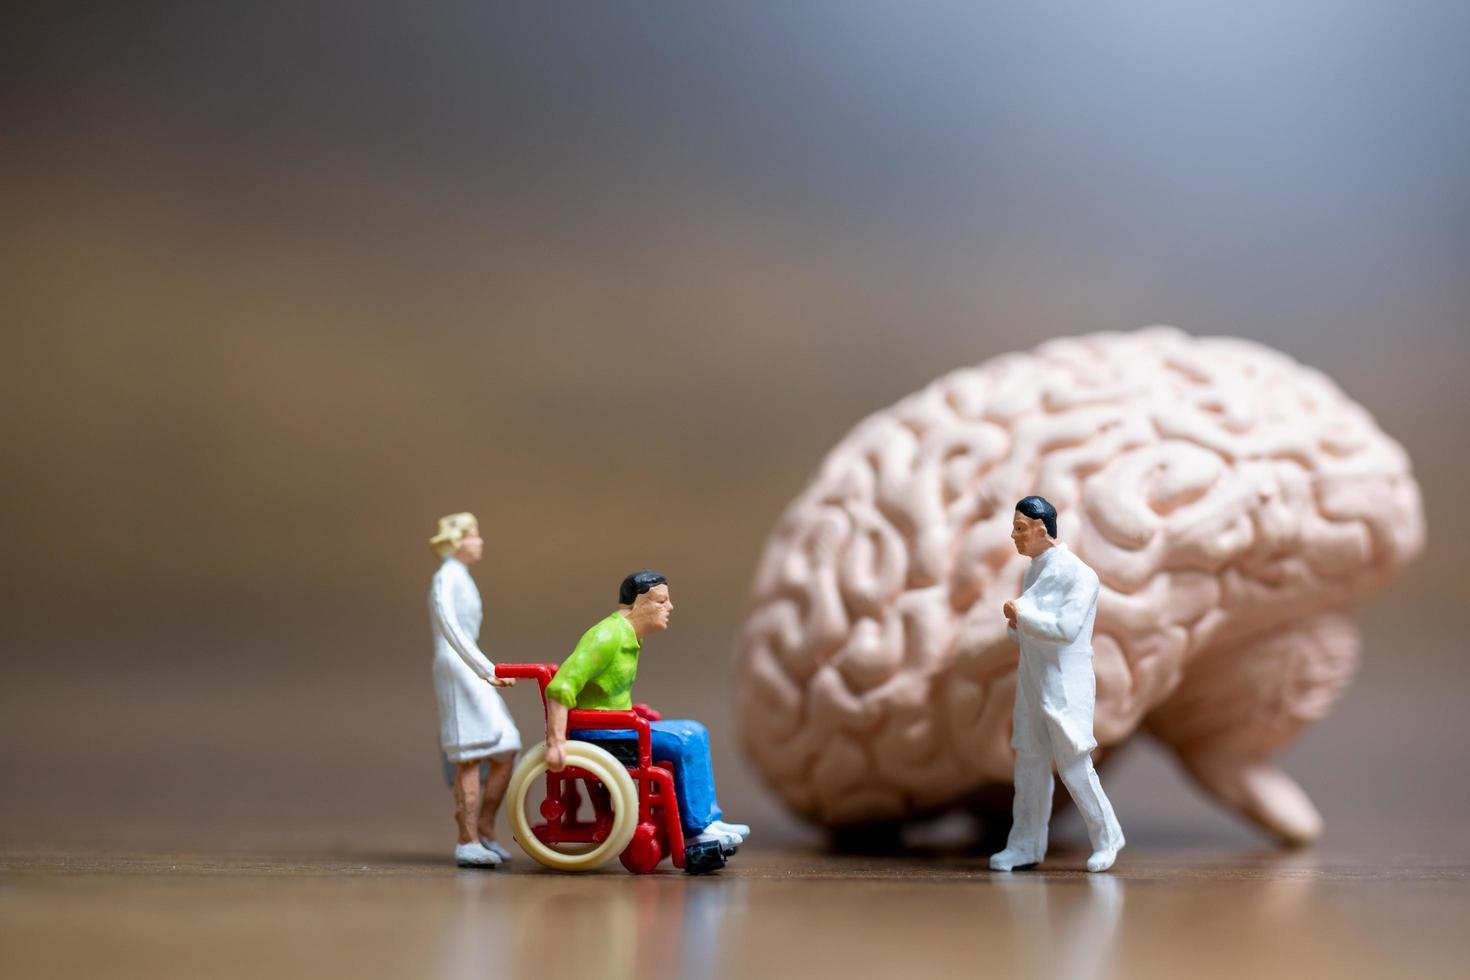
(599, 673)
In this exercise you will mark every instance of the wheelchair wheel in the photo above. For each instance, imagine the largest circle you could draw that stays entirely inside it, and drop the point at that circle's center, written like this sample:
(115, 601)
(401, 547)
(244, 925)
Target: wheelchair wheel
(578, 856)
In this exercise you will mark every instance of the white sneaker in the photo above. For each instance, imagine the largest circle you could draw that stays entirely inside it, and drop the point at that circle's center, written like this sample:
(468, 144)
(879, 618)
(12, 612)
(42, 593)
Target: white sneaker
(1008, 860)
(738, 829)
(720, 830)
(475, 855)
(496, 848)
(726, 841)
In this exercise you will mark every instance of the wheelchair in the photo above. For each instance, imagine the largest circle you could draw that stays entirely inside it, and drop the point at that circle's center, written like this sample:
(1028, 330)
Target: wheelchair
(634, 810)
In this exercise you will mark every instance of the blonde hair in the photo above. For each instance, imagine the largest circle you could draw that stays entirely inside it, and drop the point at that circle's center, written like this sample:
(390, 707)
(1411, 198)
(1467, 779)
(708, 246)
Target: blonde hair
(451, 531)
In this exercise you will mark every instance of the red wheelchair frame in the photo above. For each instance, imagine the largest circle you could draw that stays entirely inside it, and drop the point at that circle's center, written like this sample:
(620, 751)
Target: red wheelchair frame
(658, 832)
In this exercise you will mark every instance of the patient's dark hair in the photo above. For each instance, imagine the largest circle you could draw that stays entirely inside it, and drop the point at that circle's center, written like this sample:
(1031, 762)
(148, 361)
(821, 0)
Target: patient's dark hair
(1040, 509)
(638, 583)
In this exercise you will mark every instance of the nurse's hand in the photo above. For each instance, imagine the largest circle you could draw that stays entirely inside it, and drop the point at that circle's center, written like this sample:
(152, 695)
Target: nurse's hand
(1010, 613)
(501, 681)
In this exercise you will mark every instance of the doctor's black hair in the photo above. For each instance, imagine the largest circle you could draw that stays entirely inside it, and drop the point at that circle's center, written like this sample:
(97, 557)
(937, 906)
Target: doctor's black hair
(1040, 509)
(638, 583)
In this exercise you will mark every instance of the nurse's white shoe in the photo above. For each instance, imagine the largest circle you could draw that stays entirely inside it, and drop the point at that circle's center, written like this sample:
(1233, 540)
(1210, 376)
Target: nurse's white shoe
(496, 848)
(1009, 860)
(475, 855)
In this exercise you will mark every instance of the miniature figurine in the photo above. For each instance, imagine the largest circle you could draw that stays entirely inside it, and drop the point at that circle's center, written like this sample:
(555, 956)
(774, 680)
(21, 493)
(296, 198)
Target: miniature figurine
(1235, 503)
(599, 675)
(1055, 689)
(475, 728)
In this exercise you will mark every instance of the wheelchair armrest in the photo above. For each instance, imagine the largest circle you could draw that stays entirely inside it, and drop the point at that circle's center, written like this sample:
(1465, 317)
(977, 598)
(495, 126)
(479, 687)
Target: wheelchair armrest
(588, 718)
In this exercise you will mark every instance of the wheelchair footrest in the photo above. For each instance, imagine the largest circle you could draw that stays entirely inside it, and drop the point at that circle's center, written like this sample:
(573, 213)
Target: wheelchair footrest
(704, 857)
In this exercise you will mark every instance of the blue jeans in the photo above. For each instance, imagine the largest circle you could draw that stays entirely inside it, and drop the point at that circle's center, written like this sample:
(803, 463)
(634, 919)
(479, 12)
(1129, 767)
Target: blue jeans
(686, 745)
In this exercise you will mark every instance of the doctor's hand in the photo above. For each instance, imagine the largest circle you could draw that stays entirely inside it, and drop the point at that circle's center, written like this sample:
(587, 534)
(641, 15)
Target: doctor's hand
(1010, 613)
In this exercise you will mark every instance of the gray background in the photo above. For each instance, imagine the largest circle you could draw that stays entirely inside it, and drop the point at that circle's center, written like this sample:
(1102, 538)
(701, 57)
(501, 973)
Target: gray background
(282, 285)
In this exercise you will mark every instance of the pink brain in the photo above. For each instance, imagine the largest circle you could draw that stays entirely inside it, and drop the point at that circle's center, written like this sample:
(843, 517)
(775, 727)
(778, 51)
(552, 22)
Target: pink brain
(1232, 502)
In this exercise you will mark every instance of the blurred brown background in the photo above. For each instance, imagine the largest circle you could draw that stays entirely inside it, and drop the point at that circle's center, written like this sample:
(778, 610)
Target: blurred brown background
(281, 285)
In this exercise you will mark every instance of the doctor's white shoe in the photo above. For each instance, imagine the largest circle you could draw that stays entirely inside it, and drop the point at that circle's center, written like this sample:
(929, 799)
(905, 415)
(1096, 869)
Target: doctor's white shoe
(1103, 859)
(1009, 860)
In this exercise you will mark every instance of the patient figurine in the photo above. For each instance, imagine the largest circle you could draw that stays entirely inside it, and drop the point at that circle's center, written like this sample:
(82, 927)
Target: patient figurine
(599, 675)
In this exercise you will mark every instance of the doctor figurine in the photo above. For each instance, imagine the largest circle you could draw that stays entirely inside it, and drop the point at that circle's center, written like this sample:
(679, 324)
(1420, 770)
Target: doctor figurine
(1055, 688)
(475, 729)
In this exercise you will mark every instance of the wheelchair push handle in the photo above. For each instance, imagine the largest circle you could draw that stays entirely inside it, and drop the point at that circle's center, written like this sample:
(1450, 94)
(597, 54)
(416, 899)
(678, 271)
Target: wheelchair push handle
(540, 673)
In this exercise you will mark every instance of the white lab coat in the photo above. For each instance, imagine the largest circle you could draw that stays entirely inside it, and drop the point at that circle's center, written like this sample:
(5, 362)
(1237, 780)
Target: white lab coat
(473, 720)
(1055, 695)
(1055, 686)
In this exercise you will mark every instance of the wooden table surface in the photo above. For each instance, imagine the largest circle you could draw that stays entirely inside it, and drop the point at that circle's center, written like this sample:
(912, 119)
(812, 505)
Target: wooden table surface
(177, 826)
(771, 913)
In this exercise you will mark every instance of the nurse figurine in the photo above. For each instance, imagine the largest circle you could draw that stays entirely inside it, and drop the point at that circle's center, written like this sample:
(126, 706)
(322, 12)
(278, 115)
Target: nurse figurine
(475, 729)
(1055, 691)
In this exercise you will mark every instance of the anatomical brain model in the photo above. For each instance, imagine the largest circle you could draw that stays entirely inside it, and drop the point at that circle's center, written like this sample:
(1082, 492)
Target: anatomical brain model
(1233, 502)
